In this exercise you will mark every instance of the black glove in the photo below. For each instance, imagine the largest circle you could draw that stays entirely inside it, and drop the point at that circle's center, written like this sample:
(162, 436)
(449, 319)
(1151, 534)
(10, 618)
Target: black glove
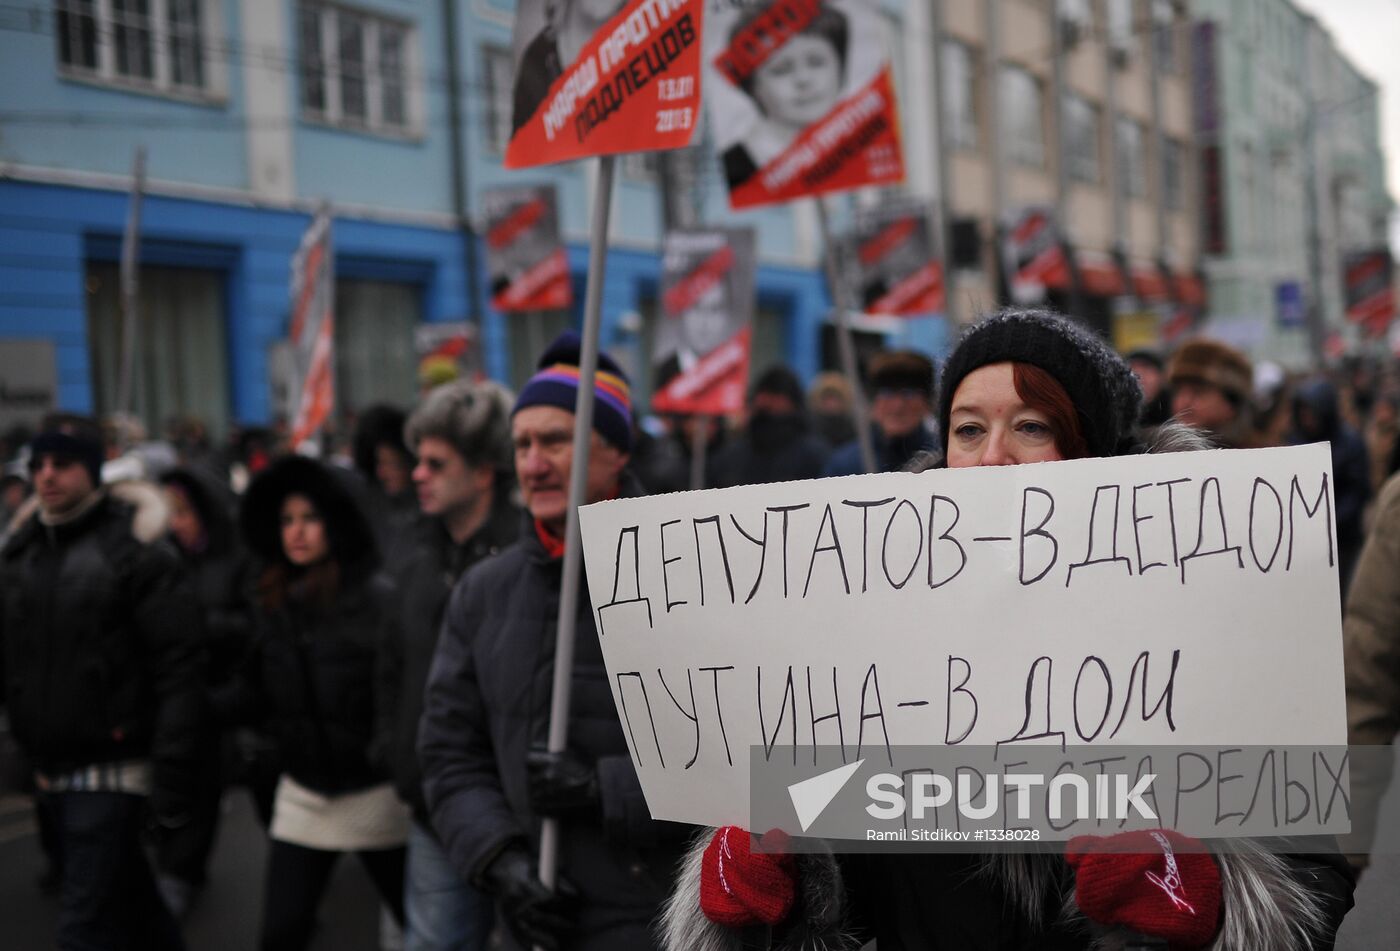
(562, 785)
(535, 915)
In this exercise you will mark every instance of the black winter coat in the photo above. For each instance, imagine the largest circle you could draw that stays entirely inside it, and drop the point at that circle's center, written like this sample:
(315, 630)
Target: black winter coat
(771, 449)
(488, 703)
(423, 580)
(220, 574)
(314, 684)
(100, 654)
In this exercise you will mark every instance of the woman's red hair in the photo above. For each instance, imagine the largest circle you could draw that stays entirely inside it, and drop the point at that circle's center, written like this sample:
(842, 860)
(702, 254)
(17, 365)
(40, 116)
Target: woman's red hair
(1044, 394)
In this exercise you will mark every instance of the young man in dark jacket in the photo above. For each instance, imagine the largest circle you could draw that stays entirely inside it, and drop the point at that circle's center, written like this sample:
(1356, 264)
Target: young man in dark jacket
(100, 654)
(461, 434)
(486, 777)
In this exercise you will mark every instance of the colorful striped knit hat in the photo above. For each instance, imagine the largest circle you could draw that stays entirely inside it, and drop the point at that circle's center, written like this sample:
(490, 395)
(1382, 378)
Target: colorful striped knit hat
(556, 384)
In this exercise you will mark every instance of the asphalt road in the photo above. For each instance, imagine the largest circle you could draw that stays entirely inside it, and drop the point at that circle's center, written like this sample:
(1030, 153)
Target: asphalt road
(224, 918)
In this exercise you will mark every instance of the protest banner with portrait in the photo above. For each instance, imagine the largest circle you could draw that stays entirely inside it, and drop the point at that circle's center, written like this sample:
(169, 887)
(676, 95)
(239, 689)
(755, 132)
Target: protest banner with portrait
(802, 98)
(704, 336)
(894, 263)
(1367, 289)
(1033, 255)
(1145, 601)
(524, 256)
(601, 77)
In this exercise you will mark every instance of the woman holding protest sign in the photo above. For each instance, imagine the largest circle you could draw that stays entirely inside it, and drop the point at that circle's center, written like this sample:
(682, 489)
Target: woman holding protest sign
(1021, 387)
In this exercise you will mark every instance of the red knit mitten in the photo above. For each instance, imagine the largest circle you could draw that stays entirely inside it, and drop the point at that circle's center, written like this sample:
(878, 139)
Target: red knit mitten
(740, 887)
(1162, 884)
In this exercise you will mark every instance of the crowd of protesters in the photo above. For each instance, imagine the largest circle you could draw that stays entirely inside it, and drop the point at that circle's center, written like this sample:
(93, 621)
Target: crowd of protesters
(364, 643)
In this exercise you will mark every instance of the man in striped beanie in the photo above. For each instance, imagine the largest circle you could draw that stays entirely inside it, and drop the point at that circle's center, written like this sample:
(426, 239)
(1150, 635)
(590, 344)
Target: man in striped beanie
(542, 424)
(486, 778)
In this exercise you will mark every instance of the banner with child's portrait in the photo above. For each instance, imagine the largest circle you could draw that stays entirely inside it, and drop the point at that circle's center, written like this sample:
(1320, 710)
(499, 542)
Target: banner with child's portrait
(599, 77)
(801, 98)
(526, 259)
(703, 338)
(894, 262)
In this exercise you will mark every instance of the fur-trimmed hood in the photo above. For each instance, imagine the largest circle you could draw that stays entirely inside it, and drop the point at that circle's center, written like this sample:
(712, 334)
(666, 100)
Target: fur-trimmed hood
(1266, 906)
(150, 518)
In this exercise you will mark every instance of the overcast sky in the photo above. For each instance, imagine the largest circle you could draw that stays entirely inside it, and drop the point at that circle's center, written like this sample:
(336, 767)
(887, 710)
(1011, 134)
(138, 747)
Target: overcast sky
(1368, 32)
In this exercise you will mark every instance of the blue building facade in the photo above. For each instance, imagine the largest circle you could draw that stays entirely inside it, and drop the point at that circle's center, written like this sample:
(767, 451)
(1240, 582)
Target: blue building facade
(252, 113)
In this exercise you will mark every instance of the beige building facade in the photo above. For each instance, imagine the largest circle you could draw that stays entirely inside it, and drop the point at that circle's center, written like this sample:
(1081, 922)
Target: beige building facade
(1074, 115)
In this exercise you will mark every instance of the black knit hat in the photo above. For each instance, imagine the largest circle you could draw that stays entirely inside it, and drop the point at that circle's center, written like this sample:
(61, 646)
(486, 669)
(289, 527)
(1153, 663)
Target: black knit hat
(330, 491)
(1101, 386)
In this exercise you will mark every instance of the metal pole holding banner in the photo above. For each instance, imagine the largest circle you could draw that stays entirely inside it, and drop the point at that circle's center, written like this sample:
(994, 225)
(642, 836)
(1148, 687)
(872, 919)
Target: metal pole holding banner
(131, 241)
(699, 443)
(841, 297)
(578, 487)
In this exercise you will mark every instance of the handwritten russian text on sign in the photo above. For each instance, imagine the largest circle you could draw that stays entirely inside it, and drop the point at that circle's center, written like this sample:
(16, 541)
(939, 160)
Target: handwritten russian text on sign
(895, 266)
(528, 265)
(703, 339)
(1188, 598)
(802, 98)
(599, 77)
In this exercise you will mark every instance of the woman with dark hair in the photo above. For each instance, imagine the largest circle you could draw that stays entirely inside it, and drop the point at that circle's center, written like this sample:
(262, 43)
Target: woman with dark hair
(794, 87)
(314, 684)
(1022, 386)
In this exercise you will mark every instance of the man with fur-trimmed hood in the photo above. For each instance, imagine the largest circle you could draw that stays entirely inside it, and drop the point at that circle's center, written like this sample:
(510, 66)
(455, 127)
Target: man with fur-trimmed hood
(100, 677)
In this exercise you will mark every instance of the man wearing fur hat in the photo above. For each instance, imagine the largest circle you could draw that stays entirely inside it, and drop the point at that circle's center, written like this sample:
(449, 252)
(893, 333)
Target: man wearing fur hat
(1211, 383)
(461, 436)
(100, 676)
(900, 407)
(487, 779)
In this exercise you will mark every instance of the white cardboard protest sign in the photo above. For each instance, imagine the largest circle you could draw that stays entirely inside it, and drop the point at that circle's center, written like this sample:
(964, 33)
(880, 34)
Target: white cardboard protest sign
(962, 605)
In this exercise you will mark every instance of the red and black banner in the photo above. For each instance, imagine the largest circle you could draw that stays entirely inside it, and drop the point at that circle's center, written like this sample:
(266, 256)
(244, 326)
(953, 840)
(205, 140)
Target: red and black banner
(1033, 255)
(801, 98)
(528, 267)
(894, 264)
(599, 77)
(703, 337)
(1369, 290)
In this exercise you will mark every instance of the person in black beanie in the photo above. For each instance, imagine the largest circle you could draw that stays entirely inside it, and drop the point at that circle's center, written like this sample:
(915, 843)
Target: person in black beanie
(1023, 386)
(777, 444)
(901, 407)
(99, 673)
(1104, 395)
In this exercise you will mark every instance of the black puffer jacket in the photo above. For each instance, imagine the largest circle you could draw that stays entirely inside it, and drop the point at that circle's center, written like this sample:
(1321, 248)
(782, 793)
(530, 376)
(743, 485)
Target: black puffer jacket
(313, 680)
(423, 579)
(313, 684)
(99, 664)
(488, 703)
(220, 573)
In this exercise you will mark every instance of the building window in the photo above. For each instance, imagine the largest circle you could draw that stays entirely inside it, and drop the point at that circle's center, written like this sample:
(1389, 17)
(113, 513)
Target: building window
(1131, 158)
(355, 69)
(1120, 28)
(960, 95)
(152, 45)
(1022, 125)
(1076, 19)
(1164, 35)
(499, 70)
(1174, 174)
(1081, 132)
